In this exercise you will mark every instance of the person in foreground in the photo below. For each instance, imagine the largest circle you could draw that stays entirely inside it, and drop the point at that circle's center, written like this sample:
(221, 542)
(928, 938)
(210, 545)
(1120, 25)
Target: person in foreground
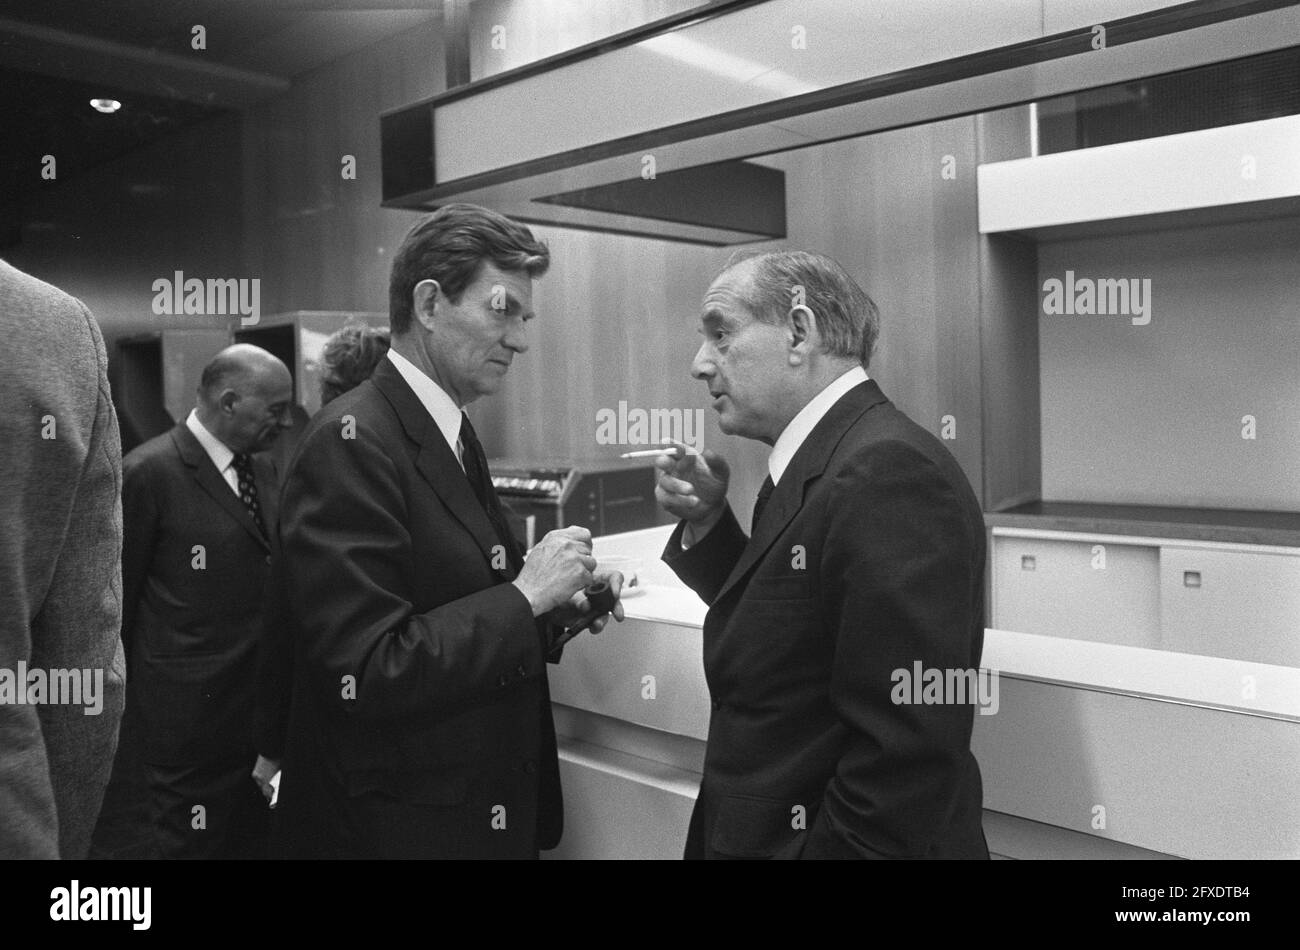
(60, 571)
(866, 556)
(420, 721)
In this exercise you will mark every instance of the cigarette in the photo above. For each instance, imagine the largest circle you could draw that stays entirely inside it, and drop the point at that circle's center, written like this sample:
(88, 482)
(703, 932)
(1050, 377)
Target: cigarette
(648, 453)
(670, 449)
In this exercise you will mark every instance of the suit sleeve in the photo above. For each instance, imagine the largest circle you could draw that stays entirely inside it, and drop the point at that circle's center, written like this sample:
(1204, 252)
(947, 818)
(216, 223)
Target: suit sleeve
(706, 565)
(346, 540)
(896, 579)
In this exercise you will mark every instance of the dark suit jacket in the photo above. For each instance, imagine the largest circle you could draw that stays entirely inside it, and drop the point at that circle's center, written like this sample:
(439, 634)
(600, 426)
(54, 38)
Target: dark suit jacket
(420, 723)
(60, 567)
(192, 633)
(869, 557)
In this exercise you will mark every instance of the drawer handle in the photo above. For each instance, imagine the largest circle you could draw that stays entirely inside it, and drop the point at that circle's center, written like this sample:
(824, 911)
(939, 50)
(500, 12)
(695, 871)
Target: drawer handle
(1028, 562)
(1191, 578)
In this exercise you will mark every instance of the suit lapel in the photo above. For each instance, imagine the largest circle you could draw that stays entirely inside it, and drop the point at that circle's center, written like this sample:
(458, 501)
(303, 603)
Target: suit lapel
(437, 463)
(807, 465)
(205, 473)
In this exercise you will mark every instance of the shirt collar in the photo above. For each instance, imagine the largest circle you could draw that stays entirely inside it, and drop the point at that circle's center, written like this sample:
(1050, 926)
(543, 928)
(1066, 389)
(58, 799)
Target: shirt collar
(217, 450)
(801, 426)
(443, 409)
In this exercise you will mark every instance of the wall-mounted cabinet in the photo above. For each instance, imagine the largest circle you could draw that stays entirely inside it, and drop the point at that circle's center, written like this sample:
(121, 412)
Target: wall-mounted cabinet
(1145, 294)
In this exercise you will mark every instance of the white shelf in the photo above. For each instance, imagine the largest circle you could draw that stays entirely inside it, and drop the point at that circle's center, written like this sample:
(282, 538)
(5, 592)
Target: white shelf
(1189, 178)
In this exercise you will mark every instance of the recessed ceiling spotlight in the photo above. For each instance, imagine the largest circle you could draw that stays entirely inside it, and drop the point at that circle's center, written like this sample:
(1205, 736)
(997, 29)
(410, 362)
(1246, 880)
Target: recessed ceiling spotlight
(105, 105)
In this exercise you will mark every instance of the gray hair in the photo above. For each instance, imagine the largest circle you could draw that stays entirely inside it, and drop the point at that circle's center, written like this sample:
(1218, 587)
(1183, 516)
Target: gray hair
(847, 319)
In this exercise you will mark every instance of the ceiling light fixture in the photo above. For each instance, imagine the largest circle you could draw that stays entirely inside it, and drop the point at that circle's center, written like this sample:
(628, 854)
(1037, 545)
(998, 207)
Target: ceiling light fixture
(107, 106)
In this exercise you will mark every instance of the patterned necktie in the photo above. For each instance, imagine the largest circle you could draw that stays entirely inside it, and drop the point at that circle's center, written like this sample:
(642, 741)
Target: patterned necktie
(764, 494)
(243, 463)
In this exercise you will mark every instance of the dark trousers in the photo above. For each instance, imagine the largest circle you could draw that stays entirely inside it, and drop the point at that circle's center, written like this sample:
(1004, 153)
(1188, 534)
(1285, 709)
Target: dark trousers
(212, 810)
(125, 826)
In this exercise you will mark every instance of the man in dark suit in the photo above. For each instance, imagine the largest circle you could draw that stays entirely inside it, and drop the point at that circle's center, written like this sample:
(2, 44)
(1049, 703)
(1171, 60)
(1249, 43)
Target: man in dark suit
(866, 557)
(198, 505)
(420, 723)
(60, 579)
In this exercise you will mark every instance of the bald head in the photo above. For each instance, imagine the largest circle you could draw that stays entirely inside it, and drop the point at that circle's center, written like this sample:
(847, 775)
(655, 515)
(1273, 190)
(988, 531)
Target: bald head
(244, 398)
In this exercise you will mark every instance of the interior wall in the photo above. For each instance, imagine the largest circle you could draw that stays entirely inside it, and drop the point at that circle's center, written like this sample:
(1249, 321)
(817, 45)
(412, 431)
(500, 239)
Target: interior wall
(108, 234)
(1154, 414)
(318, 240)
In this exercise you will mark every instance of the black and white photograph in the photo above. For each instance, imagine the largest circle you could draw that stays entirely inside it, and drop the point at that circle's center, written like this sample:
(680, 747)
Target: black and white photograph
(651, 430)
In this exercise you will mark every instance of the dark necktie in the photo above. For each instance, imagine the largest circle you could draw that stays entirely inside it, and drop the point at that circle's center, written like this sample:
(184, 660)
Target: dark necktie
(764, 494)
(248, 489)
(475, 462)
(476, 472)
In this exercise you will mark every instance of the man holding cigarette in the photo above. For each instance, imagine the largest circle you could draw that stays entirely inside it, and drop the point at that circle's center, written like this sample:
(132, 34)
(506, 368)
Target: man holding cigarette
(420, 723)
(866, 555)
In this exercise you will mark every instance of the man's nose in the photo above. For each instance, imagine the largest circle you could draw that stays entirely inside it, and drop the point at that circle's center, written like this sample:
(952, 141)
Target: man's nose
(702, 366)
(517, 338)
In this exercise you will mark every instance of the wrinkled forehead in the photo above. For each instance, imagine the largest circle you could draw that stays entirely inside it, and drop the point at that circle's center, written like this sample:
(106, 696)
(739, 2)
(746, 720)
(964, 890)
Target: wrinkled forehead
(726, 297)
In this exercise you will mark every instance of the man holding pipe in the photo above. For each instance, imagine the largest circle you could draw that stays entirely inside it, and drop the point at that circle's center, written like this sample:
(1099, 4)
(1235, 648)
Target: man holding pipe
(866, 556)
(420, 723)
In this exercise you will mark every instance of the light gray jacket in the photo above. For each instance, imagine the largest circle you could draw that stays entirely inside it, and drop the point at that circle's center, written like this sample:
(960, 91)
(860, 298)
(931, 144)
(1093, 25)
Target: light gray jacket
(60, 567)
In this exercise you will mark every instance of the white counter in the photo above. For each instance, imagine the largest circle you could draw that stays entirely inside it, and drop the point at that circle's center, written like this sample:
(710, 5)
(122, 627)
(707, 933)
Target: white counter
(1117, 751)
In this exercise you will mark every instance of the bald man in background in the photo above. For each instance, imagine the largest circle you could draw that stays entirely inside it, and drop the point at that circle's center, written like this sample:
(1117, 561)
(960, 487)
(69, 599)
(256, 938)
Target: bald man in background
(198, 507)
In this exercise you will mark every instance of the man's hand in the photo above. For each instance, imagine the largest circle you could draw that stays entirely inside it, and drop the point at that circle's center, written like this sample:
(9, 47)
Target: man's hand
(263, 772)
(568, 614)
(693, 487)
(558, 567)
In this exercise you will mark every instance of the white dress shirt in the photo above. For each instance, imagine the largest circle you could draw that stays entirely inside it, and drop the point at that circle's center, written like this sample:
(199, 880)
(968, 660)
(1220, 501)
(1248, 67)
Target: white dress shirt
(443, 409)
(801, 426)
(218, 451)
(797, 432)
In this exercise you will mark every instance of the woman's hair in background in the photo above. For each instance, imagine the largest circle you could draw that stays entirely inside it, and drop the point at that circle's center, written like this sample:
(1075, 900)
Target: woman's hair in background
(350, 356)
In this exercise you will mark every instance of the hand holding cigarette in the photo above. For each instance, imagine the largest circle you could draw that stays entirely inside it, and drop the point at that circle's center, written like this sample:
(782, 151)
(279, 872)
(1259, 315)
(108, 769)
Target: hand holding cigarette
(692, 485)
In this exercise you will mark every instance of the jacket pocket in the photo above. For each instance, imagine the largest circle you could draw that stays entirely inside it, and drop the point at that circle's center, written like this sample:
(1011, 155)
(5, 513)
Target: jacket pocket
(751, 827)
(411, 788)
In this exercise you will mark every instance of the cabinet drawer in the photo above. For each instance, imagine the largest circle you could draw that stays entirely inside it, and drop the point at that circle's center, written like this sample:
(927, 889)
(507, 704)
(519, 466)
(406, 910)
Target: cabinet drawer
(1083, 590)
(638, 671)
(1240, 605)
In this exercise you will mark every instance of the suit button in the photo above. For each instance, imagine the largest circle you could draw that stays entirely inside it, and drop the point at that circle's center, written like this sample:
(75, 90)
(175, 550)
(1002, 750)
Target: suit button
(530, 767)
(521, 671)
(268, 559)
(502, 680)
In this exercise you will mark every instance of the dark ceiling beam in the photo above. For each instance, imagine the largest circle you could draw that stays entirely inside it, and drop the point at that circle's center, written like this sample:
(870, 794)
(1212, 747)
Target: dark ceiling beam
(48, 52)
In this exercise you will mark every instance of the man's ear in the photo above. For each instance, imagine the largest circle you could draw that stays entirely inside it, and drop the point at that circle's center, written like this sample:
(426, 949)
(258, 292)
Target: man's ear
(424, 301)
(803, 330)
(226, 401)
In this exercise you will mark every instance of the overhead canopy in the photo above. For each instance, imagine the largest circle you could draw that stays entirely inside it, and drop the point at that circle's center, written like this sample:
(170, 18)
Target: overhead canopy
(738, 79)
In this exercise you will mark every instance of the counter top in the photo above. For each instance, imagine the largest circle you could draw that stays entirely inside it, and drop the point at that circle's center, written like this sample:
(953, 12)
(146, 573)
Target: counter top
(1253, 688)
(1193, 524)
